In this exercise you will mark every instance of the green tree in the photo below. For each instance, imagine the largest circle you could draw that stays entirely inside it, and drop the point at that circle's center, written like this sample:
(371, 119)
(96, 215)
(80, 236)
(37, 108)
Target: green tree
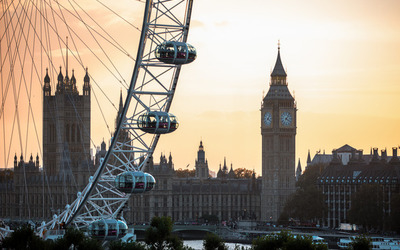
(286, 241)
(361, 242)
(367, 206)
(184, 173)
(243, 173)
(298, 204)
(6, 175)
(119, 245)
(210, 218)
(77, 238)
(299, 242)
(213, 242)
(268, 242)
(159, 236)
(394, 218)
(24, 238)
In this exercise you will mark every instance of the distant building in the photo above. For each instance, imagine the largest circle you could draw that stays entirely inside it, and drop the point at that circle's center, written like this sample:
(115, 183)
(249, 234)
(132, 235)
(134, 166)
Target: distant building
(37, 193)
(347, 169)
(344, 154)
(189, 199)
(278, 131)
(66, 126)
(201, 164)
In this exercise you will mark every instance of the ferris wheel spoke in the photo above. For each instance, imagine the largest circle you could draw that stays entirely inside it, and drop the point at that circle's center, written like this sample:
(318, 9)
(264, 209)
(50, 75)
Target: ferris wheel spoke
(35, 31)
(167, 11)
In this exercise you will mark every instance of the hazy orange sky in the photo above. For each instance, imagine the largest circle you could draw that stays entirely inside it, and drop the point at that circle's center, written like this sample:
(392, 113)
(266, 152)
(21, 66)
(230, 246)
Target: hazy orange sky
(343, 64)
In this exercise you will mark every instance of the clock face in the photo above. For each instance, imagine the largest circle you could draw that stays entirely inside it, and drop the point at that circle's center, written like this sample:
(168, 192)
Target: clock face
(268, 119)
(286, 118)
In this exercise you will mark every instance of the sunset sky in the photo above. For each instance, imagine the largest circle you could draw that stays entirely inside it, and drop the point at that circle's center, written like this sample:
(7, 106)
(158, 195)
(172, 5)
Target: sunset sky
(343, 64)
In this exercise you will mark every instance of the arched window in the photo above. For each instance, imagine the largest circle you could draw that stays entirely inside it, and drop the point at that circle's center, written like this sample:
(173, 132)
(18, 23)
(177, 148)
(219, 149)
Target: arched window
(78, 133)
(67, 133)
(73, 133)
(49, 133)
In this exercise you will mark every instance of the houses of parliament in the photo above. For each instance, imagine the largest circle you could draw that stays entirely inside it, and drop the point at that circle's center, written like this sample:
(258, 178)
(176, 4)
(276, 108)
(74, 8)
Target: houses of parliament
(36, 194)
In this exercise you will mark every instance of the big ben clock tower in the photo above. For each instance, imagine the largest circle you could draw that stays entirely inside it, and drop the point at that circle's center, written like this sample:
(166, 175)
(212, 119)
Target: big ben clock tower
(278, 131)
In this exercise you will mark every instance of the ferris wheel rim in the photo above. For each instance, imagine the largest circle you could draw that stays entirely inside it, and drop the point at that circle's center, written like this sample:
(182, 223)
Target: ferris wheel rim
(126, 104)
(68, 219)
(159, 99)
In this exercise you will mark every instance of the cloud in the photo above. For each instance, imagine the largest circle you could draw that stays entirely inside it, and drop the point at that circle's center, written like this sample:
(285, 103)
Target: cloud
(222, 24)
(196, 24)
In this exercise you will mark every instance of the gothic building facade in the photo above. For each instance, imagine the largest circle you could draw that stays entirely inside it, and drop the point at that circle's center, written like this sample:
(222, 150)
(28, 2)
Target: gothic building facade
(201, 164)
(346, 171)
(67, 165)
(35, 193)
(188, 199)
(66, 126)
(278, 131)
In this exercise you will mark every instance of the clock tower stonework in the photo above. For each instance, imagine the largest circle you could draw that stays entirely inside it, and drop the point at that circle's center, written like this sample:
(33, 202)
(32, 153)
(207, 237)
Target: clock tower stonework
(278, 131)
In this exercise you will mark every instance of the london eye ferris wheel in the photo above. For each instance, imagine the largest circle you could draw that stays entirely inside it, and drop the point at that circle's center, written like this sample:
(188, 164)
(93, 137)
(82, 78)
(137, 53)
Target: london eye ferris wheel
(37, 36)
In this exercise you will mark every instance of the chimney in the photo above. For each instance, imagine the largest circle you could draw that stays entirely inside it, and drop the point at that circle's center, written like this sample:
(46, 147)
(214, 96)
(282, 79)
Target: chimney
(383, 156)
(335, 159)
(375, 156)
(360, 155)
(353, 159)
(353, 154)
(394, 159)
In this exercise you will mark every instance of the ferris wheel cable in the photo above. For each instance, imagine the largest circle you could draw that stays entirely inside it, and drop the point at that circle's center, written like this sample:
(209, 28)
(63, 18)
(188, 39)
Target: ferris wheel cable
(123, 82)
(47, 48)
(55, 29)
(4, 132)
(85, 130)
(31, 83)
(16, 97)
(88, 27)
(17, 46)
(67, 164)
(115, 41)
(9, 48)
(79, 59)
(28, 95)
(5, 11)
(156, 78)
(16, 100)
(154, 140)
(118, 15)
(117, 131)
(102, 114)
(101, 47)
(168, 10)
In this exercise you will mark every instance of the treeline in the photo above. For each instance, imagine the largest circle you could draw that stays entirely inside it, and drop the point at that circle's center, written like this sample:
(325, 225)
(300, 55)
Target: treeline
(157, 237)
(240, 173)
(308, 206)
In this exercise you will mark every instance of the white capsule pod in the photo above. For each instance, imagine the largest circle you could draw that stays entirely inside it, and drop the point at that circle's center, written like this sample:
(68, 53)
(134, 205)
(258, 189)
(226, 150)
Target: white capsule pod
(134, 182)
(175, 52)
(108, 229)
(157, 122)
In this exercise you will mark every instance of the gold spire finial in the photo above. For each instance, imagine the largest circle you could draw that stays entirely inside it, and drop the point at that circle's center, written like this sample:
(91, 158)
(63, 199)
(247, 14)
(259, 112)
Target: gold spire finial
(279, 44)
(66, 66)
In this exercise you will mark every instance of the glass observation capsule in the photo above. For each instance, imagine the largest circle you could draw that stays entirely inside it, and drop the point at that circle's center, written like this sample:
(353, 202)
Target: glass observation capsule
(108, 229)
(134, 182)
(175, 52)
(157, 122)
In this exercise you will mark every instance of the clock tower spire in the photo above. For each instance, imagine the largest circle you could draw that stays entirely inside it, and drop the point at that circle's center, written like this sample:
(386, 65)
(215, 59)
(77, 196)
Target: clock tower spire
(278, 131)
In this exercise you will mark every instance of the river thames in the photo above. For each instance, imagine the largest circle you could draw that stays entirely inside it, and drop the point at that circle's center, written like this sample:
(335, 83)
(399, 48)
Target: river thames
(198, 244)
